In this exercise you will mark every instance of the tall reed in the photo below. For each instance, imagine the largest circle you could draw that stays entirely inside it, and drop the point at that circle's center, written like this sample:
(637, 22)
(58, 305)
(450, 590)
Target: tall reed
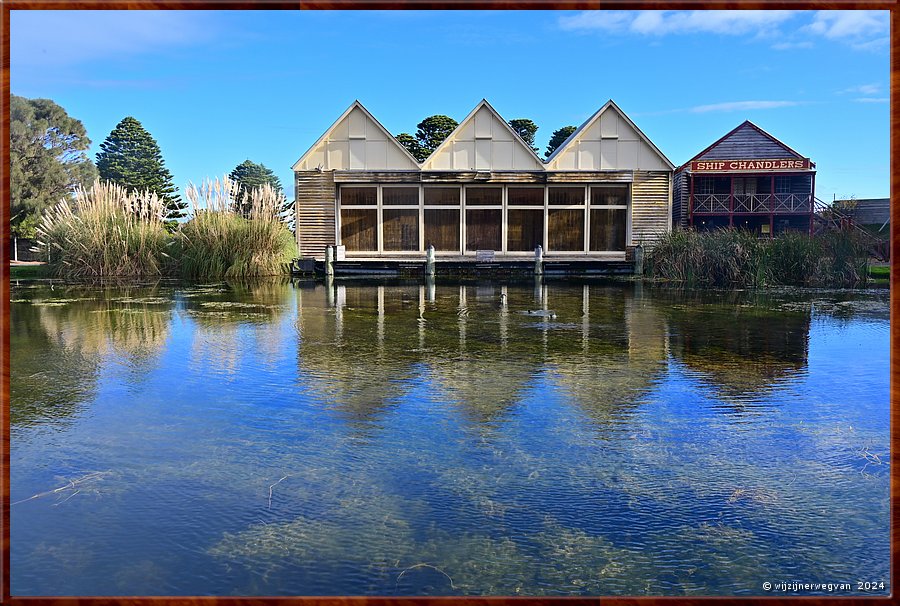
(234, 236)
(738, 258)
(105, 231)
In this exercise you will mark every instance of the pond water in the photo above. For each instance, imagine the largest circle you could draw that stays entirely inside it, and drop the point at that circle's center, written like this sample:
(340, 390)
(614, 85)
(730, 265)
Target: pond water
(278, 438)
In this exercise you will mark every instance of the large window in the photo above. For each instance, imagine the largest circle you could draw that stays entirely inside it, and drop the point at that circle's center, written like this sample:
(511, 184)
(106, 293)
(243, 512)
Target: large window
(609, 217)
(483, 229)
(441, 196)
(524, 229)
(401, 229)
(484, 196)
(608, 229)
(525, 196)
(394, 196)
(442, 229)
(407, 218)
(566, 229)
(359, 229)
(359, 196)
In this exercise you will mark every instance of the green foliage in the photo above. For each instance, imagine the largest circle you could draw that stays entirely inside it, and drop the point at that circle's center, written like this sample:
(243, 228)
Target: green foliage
(430, 133)
(526, 129)
(250, 175)
(219, 242)
(131, 157)
(412, 146)
(46, 157)
(105, 232)
(738, 258)
(557, 139)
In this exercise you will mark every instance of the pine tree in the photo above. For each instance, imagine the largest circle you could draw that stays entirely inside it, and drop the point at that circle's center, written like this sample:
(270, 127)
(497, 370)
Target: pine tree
(249, 175)
(558, 138)
(131, 157)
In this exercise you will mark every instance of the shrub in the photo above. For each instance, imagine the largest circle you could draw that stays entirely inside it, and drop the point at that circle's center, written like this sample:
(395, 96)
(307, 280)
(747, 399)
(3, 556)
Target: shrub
(737, 258)
(220, 243)
(105, 232)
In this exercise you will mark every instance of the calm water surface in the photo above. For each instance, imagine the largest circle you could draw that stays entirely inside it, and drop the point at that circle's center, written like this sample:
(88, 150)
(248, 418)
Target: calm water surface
(275, 438)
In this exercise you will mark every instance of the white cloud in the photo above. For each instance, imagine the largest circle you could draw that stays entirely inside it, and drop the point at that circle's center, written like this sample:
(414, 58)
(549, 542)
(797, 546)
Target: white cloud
(57, 38)
(792, 45)
(861, 30)
(863, 89)
(872, 100)
(843, 25)
(659, 23)
(734, 106)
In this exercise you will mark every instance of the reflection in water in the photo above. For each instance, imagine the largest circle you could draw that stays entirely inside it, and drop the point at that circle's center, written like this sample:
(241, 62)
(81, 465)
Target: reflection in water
(444, 439)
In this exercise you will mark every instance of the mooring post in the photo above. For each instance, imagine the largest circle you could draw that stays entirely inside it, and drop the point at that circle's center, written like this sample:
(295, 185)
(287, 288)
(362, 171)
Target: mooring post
(639, 260)
(538, 260)
(429, 288)
(329, 260)
(429, 261)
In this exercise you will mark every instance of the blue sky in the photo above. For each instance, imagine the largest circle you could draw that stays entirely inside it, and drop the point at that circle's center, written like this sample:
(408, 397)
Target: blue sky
(218, 87)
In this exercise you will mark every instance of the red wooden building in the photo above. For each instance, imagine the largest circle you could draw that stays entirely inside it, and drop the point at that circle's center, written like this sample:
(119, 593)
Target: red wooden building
(748, 179)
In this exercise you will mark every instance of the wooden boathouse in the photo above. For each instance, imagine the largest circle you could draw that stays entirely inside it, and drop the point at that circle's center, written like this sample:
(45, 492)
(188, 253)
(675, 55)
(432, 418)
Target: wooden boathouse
(483, 195)
(748, 179)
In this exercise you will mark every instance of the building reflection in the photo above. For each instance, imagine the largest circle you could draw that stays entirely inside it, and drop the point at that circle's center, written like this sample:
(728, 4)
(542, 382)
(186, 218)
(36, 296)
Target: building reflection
(364, 348)
(742, 345)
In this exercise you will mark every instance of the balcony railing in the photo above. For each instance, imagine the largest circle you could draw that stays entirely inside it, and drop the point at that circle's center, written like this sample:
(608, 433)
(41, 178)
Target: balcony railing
(752, 203)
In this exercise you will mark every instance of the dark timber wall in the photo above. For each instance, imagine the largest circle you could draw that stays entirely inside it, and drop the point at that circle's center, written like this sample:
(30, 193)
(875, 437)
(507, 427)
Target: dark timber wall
(745, 143)
(315, 212)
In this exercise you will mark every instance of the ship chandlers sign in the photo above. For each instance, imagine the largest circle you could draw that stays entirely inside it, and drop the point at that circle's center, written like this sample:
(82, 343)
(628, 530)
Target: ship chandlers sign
(745, 165)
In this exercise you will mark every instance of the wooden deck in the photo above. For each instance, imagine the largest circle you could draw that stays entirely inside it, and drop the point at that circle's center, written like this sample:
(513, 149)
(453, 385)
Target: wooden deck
(575, 265)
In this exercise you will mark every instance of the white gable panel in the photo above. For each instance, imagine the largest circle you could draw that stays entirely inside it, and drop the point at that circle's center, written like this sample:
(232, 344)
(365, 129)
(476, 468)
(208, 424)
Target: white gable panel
(626, 133)
(357, 153)
(357, 124)
(591, 133)
(394, 157)
(502, 158)
(356, 141)
(521, 157)
(482, 154)
(609, 122)
(376, 156)
(466, 131)
(588, 154)
(649, 159)
(315, 159)
(338, 155)
(566, 161)
(483, 124)
(341, 131)
(628, 154)
(483, 141)
(608, 157)
(463, 155)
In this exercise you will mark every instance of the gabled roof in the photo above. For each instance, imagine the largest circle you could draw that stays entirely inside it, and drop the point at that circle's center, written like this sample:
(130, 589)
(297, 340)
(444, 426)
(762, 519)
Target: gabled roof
(755, 132)
(469, 118)
(355, 105)
(575, 136)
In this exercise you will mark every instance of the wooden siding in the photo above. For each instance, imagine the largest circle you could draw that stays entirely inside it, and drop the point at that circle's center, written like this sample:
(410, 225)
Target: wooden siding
(746, 142)
(873, 211)
(315, 204)
(651, 206)
(681, 191)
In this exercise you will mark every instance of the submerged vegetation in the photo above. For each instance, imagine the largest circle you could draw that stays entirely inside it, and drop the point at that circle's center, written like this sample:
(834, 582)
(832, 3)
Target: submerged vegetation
(738, 258)
(107, 231)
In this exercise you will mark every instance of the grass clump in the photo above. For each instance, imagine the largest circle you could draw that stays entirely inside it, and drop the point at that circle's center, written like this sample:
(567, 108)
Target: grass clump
(221, 241)
(738, 258)
(105, 231)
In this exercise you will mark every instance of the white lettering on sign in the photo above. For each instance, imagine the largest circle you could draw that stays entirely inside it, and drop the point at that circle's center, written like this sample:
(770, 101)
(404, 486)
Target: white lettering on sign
(739, 165)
